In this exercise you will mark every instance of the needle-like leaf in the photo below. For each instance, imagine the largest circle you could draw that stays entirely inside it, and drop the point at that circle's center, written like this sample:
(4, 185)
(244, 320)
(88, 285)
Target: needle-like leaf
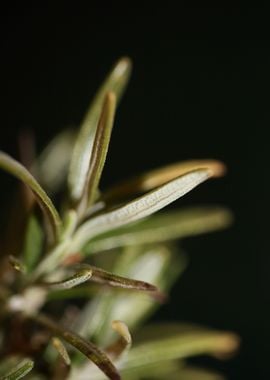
(116, 82)
(157, 177)
(87, 348)
(78, 278)
(20, 370)
(139, 208)
(100, 147)
(103, 277)
(61, 349)
(20, 172)
(163, 227)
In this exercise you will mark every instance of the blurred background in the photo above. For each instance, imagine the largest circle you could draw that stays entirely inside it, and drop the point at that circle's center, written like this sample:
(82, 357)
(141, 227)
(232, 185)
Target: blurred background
(200, 89)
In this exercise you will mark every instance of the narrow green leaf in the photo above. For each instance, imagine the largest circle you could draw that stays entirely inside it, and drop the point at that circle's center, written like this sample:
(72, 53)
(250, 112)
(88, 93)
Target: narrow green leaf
(158, 177)
(116, 82)
(138, 208)
(33, 241)
(61, 349)
(191, 343)
(103, 277)
(52, 165)
(100, 147)
(163, 227)
(78, 278)
(20, 370)
(92, 352)
(19, 171)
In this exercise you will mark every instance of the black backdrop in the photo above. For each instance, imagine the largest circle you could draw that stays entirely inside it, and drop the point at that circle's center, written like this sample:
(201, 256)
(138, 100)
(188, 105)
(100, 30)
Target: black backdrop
(200, 88)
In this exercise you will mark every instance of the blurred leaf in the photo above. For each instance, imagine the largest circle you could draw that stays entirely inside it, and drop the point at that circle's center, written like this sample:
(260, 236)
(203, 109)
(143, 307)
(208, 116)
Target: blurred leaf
(52, 165)
(163, 227)
(20, 172)
(158, 177)
(78, 278)
(61, 349)
(100, 147)
(180, 346)
(123, 344)
(33, 241)
(92, 352)
(173, 370)
(19, 371)
(115, 82)
(138, 208)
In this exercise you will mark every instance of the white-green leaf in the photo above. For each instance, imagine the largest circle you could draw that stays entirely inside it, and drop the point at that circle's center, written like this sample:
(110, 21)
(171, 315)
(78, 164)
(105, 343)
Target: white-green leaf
(138, 208)
(163, 227)
(20, 172)
(158, 177)
(20, 370)
(32, 243)
(116, 82)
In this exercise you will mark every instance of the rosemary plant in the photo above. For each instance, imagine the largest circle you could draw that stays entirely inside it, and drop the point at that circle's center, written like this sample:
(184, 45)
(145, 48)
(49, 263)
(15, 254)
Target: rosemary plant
(78, 281)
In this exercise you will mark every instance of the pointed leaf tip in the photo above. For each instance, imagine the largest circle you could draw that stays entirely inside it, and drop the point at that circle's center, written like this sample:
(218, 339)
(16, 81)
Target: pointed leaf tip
(140, 207)
(100, 149)
(115, 82)
(107, 278)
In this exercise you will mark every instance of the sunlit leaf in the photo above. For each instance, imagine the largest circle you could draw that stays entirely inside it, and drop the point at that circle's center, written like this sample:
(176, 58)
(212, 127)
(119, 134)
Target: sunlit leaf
(15, 168)
(61, 349)
(87, 348)
(115, 82)
(139, 208)
(158, 177)
(52, 165)
(32, 243)
(78, 278)
(163, 227)
(19, 371)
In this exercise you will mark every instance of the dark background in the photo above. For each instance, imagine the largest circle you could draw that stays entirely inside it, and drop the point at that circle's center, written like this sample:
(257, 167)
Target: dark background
(200, 88)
